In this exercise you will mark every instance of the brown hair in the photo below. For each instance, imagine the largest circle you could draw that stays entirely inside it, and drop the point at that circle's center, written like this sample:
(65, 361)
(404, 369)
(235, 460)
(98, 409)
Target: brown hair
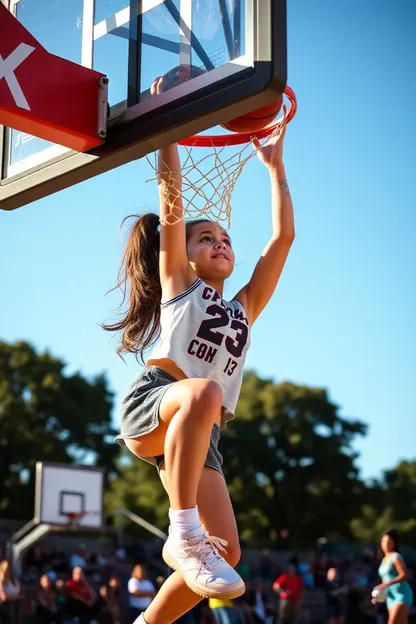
(139, 281)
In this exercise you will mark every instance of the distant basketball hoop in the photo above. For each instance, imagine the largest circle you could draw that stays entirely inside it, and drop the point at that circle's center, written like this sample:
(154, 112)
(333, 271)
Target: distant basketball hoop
(75, 518)
(66, 498)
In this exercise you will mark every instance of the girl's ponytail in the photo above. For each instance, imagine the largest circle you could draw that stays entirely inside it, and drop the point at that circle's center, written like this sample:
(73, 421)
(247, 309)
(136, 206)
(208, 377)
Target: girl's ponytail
(139, 280)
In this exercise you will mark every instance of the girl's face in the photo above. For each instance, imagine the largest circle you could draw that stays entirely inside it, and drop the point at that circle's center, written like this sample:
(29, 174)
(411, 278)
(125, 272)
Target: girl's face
(210, 252)
(387, 544)
(45, 582)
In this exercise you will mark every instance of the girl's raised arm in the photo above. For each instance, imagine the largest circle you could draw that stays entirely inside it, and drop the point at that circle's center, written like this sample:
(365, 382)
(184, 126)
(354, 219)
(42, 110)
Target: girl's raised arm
(174, 265)
(257, 293)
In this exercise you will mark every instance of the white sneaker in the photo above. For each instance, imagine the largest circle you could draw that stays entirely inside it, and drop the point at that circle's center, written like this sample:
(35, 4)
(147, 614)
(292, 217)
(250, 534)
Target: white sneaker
(195, 555)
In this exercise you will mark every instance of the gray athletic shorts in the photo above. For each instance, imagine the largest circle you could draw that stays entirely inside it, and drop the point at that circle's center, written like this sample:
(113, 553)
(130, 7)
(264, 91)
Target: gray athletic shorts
(140, 414)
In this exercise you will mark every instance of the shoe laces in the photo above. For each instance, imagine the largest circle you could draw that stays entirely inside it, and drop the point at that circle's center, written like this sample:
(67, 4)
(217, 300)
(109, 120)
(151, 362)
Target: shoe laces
(207, 548)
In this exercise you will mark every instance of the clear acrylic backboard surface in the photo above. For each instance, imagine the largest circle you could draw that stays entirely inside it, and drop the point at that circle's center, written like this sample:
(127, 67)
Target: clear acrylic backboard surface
(213, 53)
(59, 24)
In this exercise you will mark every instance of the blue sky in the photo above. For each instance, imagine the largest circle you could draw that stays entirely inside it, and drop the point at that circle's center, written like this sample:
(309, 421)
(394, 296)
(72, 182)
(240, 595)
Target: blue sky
(343, 314)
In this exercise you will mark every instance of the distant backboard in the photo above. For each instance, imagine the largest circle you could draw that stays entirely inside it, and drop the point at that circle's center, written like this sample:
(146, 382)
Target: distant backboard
(63, 490)
(221, 59)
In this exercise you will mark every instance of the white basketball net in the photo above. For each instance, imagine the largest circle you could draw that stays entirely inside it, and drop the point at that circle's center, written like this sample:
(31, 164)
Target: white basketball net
(209, 176)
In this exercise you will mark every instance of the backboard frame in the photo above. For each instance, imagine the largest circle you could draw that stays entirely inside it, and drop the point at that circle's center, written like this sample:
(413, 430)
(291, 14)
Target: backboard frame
(129, 140)
(39, 494)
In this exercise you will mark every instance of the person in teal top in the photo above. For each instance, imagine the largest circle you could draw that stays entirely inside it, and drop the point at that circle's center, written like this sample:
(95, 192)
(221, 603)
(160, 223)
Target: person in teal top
(393, 574)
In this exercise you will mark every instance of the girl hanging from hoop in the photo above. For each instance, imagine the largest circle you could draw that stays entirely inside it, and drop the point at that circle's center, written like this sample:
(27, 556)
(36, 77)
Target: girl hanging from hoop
(174, 274)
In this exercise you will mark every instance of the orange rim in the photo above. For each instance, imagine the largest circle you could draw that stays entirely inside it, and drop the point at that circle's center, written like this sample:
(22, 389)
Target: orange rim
(238, 138)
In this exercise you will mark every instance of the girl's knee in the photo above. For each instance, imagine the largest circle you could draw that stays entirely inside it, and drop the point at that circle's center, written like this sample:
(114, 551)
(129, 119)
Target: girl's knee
(205, 395)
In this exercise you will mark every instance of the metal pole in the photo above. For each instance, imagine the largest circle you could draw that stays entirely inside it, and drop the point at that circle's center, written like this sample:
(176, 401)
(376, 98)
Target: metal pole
(25, 529)
(146, 525)
(18, 548)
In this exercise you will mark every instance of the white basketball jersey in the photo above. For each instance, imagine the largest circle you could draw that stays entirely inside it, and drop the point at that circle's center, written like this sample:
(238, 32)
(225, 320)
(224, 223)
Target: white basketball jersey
(206, 337)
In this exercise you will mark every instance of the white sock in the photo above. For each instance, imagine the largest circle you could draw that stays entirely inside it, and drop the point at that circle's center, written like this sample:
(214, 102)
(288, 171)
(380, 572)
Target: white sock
(184, 519)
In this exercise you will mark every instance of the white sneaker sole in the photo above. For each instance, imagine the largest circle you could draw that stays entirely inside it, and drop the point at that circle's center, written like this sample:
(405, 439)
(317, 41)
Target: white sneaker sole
(204, 592)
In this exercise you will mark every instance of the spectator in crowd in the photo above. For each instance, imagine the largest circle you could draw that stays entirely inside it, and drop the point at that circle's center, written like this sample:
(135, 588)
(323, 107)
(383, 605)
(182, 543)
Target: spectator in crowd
(358, 575)
(46, 606)
(105, 617)
(290, 588)
(358, 592)
(10, 595)
(114, 598)
(334, 590)
(266, 566)
(51, 573)
(256, 604)
(369, 565)
(121, 554)
(58, 560)
(82, 600)
(224, 611)
(79, 558)
(305, 571)
(320, 568)
(141, 591)
(61, 599)
(34, 563)
(110, 613)
(394, 575)
(111, 568)
(95, 569)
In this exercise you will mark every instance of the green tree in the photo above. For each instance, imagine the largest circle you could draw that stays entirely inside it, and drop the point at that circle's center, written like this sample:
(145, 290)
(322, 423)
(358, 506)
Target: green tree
(400, 486)
(46, 415)
(369, 526)
(290, 463)
(288, 460)
(391, 502)
(138, 488)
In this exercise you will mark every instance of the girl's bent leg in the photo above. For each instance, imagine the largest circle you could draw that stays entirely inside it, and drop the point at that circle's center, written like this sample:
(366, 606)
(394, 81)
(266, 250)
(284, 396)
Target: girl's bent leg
(187, 412)
(216, 512)
(187, 440)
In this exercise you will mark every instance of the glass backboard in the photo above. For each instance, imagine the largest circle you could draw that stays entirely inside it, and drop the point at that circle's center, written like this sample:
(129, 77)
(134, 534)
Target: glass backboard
(220, 59)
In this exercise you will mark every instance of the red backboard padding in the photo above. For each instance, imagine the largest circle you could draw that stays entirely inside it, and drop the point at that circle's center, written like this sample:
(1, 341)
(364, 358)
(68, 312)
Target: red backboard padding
(43, 94)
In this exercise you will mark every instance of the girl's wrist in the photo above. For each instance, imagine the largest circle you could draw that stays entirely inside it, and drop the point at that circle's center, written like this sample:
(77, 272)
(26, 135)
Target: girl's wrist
(277, 168)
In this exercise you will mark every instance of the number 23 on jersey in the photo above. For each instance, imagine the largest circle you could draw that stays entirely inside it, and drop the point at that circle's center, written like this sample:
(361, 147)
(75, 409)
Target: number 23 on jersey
(220, 331)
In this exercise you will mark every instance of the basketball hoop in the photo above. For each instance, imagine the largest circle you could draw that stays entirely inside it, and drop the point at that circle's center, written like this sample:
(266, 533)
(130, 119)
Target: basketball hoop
(239, 138)
(75, 517)
(208, 180)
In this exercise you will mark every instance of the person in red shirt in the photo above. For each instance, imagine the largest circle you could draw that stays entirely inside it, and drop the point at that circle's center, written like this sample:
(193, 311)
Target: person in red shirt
(290, 588)
(82, 600)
